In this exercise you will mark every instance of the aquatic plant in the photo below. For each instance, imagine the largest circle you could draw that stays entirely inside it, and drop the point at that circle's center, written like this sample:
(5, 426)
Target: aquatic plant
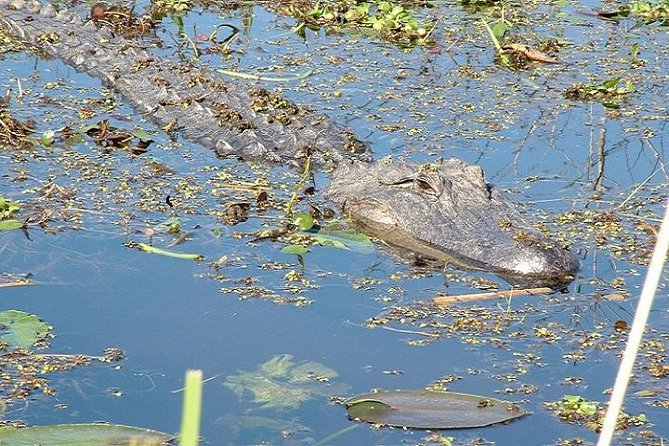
(390, 21)
(610, 92)
(8, 209)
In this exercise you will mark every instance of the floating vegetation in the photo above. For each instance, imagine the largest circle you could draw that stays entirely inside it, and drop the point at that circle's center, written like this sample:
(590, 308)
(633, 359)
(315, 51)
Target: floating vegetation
(124, 21)
(8, 209)
(648, 11)
(424, 409)
(575, 409)
(106, 135)
(100, 434)
(391, 21)
(250, 291)
(24, 368)
(610, 93)
(282, 383)
(515, 55)
(14, 134)
(611, 230)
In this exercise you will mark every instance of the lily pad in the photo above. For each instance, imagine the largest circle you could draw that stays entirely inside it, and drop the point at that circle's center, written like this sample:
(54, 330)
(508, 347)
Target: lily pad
(94, 434)
(422, 409)
(21, 329)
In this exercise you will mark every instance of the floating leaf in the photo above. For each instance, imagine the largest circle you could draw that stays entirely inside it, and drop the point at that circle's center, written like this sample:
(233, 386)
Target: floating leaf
(355, 241)
(303, 221)
(47, 138)
(294, 249)
(96, 434)
(142, 134)
(21, 330)
(423, 409)
(10, 225)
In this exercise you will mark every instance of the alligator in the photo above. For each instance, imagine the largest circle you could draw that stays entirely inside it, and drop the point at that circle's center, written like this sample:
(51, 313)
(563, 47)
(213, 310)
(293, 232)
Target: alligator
(444, 211)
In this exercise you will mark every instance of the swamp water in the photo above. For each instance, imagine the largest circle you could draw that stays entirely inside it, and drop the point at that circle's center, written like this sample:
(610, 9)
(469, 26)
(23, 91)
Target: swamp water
(594, 175)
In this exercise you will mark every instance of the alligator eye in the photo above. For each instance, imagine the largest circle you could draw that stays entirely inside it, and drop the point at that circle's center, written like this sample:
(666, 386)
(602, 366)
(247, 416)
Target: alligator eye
(425, 185)
(431, 186)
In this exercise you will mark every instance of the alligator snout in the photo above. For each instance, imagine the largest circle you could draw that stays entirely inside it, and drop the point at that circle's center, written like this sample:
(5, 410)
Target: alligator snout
(539, 266)
(448, 212)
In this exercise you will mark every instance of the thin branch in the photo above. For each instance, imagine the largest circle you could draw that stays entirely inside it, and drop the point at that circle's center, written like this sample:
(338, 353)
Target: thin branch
(508, 294)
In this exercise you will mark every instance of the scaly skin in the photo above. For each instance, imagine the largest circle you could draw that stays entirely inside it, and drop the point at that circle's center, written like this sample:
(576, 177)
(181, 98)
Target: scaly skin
(233, 118)
(446, 212)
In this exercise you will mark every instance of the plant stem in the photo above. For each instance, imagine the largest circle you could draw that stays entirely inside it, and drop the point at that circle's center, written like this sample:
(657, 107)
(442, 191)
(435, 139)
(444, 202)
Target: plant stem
(298, 186)
(192, 408)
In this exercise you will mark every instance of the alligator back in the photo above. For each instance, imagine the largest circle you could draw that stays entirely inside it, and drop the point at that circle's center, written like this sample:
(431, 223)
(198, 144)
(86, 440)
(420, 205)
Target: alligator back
(233, 118)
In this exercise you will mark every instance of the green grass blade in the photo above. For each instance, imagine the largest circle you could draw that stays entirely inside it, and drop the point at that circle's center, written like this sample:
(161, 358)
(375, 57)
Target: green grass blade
(190, 417)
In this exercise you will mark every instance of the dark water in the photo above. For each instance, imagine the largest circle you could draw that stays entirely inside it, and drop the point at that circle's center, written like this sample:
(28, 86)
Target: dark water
(168, 315)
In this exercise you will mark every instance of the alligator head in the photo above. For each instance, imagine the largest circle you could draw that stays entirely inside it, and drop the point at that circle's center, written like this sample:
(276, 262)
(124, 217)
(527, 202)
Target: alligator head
(448, 212)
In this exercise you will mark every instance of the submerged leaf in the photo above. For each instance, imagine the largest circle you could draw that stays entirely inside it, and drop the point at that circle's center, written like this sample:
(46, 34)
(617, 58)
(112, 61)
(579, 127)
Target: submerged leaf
(281, 383)
(423, 409)
(21, 330)
(307, 372)
(278, 366)
(81, 435)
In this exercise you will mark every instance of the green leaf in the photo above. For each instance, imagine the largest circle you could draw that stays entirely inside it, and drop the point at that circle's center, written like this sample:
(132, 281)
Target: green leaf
(21, 330)
(47, 138)
(295, 249)
(81, 435)
(431, 410)
(355, 241)
(385, 7)
(498, 30)
(142, 134)
(303, 220)
(397, 10)
(572, 398)
(10, 225)
(610, 83)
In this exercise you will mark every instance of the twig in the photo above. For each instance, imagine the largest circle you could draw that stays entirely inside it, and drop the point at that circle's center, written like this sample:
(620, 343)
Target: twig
(637, 189)
(16, 283)
(420, 333)
(449, 300)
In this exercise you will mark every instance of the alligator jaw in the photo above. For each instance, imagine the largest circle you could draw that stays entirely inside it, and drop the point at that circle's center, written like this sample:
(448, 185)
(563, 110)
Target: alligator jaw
(448, 212)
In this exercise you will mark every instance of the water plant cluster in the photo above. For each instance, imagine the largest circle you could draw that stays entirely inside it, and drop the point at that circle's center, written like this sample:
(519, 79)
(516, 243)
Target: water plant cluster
(391, 21)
